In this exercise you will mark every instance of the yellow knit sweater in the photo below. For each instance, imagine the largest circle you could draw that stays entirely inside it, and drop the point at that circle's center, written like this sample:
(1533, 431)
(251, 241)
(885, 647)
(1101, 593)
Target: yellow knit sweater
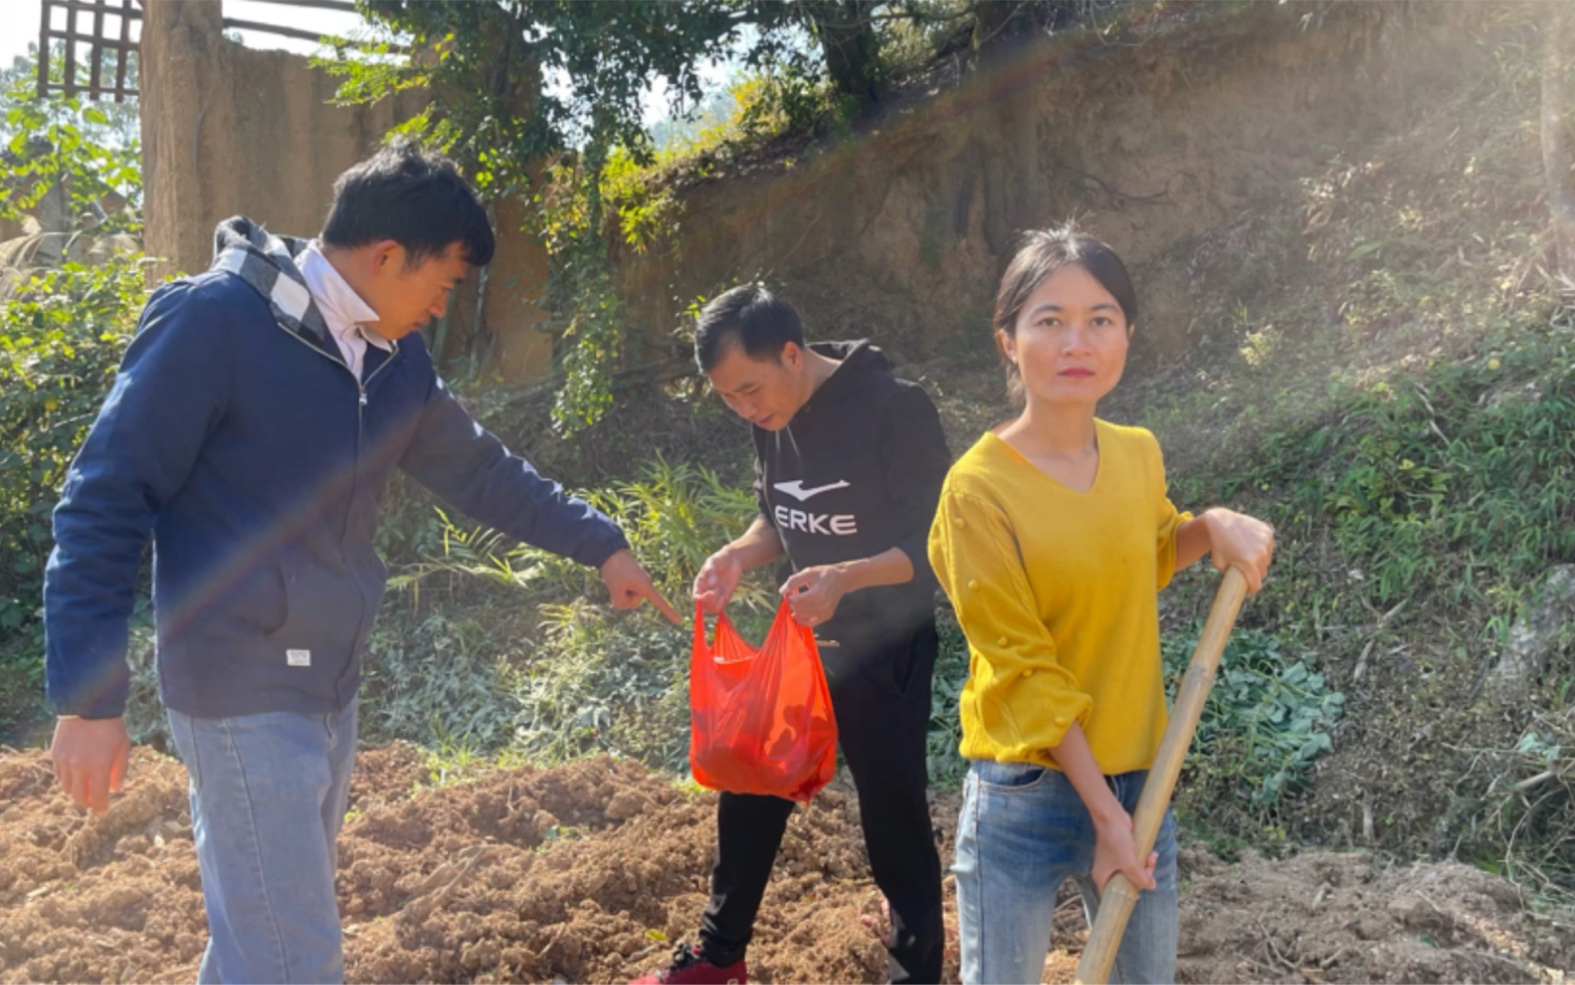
(1056, 592)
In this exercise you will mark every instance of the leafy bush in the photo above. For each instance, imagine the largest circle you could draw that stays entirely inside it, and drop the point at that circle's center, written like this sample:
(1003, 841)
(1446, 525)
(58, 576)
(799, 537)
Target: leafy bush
(947, 767)
(92, 149)
(61, 337)
(1266, 721)
(435, 678)
(605, 684)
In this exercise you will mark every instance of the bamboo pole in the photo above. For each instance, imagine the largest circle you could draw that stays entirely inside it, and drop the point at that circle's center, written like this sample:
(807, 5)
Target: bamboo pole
(1119, 896)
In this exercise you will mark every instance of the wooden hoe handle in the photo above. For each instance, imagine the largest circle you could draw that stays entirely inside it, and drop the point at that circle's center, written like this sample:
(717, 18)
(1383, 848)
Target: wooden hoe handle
(1116, 902)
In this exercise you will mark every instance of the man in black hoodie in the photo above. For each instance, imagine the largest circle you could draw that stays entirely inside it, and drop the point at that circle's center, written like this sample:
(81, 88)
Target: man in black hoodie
(849, 462)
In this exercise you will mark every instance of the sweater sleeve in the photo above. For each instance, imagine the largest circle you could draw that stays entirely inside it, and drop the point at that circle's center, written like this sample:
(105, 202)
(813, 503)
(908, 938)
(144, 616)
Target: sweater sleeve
(1167, 520)
(1025, 699)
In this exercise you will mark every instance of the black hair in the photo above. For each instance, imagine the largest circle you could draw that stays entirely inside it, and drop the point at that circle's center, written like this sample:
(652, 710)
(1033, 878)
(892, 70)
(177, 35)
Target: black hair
(748, 316)
(1043, 252)
(413, 196)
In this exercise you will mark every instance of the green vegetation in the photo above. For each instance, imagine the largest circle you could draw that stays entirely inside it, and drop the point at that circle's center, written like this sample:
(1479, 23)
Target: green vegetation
(90, 151)
(574, 676)
(1417, 523)
(62, 332)
(1394, 389)
(61, 337)
(1267, 720)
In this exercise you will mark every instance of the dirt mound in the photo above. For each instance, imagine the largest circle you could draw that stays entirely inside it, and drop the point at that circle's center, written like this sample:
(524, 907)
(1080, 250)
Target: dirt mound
(84, 898)
(1328, 917)
(584, 873)
(592, 871)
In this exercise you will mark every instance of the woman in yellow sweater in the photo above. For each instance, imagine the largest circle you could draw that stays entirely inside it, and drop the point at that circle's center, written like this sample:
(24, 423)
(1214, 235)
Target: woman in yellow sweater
(1053, 538)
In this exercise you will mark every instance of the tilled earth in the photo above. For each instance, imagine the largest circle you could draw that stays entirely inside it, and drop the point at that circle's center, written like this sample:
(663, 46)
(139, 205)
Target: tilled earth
(591, 872)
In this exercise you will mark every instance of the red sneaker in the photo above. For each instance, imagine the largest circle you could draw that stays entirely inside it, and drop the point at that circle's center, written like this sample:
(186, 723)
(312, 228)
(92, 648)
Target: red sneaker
(690, 967)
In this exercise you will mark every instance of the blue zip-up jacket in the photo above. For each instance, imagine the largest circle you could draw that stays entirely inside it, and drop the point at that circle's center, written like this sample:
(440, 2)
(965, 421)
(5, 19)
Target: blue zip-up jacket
(238, 437)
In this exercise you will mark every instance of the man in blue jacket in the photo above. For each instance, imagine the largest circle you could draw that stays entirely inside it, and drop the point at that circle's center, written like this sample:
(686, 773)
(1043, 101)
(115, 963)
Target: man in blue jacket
(251, 431)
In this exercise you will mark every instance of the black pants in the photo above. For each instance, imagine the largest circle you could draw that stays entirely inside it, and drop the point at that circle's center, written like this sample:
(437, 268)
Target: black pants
(880, 693)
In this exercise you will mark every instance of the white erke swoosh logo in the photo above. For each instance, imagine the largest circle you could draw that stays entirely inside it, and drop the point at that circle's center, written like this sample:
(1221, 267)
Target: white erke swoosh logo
(797, 491)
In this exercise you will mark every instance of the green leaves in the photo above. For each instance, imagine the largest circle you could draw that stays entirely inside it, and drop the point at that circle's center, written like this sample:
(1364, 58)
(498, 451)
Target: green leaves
(91, 150)
(61, 337)
(674, 515)
(595, 680)
(540, 99)
(435, 677)
(1267, 720)
(944, 736)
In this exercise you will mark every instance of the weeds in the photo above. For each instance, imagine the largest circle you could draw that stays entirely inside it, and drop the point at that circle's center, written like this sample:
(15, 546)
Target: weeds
(593, 679)
(617, 685)
(437, 679)
(947, 767)
(1268, 718)
(1529, 824)
(675, 516)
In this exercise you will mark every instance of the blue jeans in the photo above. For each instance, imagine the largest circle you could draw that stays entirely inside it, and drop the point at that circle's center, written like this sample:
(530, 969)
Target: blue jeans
(268, 796)
(1023, 831)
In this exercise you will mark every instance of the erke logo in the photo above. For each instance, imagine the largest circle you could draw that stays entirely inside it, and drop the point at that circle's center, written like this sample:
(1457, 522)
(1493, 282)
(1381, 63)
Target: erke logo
(828, 524)
(797, 491)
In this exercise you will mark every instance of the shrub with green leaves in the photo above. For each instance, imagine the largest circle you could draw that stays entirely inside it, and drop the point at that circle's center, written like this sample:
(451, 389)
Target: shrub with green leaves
(61, 338)
(436, 677)
(1266, 721)
(603, 683)
(944, 737)
(90, 149)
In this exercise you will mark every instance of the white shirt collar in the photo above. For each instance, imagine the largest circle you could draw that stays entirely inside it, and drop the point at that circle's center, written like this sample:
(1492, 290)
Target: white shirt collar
(342, 307)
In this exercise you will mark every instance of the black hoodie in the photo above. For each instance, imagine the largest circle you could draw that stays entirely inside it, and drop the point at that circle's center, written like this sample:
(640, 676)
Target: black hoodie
(857, 472)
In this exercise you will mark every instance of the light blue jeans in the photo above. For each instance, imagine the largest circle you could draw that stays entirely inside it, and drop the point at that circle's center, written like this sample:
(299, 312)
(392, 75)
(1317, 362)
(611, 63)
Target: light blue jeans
(268, 797)
(1023, 831)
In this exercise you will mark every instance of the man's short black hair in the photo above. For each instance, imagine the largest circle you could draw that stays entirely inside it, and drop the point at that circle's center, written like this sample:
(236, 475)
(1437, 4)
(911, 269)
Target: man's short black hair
(749, 316)
(413, 196)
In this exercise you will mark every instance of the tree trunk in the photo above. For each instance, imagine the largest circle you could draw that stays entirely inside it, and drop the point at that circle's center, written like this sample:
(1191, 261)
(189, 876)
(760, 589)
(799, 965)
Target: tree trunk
(1558, 143)
(991, 19)
(847, 40)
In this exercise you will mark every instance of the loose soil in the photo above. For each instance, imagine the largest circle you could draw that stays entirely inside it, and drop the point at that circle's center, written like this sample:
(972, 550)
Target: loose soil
(590, 872)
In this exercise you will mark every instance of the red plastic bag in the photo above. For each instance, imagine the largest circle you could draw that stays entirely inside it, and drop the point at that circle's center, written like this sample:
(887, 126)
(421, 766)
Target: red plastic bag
(762, 720)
